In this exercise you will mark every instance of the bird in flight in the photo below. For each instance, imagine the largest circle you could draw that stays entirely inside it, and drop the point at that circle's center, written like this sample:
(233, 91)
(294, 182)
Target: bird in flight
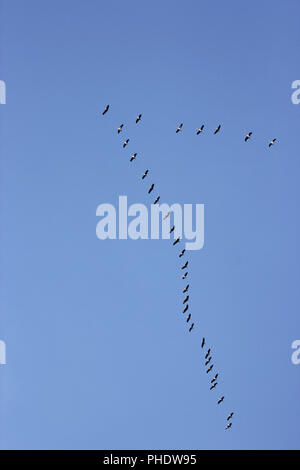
(248, 136)
(230, 416)
(203, 343)
(138, 118)
(208, 361)
(166, 216)
(151, 188)
(106, 109)
(172, 229)
(186, 308)
(182, 253)
(125, 143)
(188, 318)
(228, 425)
(156, 200)
(145, 174)
(209, 369)
(217, 129)
(214, 379)
(176, 241)
(186, 289)
(179, 128)
(207, 354)
(185, 274)
(272, 142)
(133, 157)
(220, 400)
(120, 128)
(200, 129)
(213, 386)
(185, 265)
(191, 327)
(186, 299)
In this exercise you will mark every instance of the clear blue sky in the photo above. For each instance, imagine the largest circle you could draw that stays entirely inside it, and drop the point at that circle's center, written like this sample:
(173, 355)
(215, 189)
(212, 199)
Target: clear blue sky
(98, 355)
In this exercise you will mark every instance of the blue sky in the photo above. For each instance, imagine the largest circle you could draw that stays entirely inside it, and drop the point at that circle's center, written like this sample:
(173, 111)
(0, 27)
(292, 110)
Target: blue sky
(98, 354)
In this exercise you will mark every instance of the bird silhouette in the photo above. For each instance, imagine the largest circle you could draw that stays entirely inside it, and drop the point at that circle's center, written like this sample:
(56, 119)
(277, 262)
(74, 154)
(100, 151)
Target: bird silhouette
(133, 157)
(185, 274)
(209, 369)
(172, 229)
(207, 354)
(167, 215)
(220, 400)
(200, 129)
(248, 136)
(214, 379)
(217, 129)
(203, 342)
(208, 361)
(182, 253)
(179, 128)
(186, 308)
(125, 143)
(230, 416)
(185, 265)
(106, 109)
(191, 327)
(272, 142)
(186, 299)
(214, 385)
(186, 289)
(120, 128)
(228, 425)
(138, 118)
(151, 188)
(176, 241)
(188, 318)
(156, 200)
(145, 174)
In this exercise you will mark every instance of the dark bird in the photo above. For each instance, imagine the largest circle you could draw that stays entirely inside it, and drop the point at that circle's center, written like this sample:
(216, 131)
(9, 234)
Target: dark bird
(125, 143)
(272, 142)
(186, 308)
(138, 118)
(120, 128)
(217, 129)
(176, 241)
(228, 426)
(214, 379)
(213, 386)
(186, 299)
(248, 136)
(185, 265)
(207, 354)
(145, 174)
(133, 157)
(208, 361)
(167, 215)
(179, 128)
(156, 200)
(185, 274)
(203, 342)
(182, 253)
(191, 327)
(230, 416)
(172, 229)
(209, 369)
(200, 129)
(220, 400)
(186, 289)
(151, 188)
(188, 318)
(106, 109)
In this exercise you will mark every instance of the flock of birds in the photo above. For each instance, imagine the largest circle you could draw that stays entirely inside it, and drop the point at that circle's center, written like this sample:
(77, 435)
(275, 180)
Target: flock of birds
(207, 357)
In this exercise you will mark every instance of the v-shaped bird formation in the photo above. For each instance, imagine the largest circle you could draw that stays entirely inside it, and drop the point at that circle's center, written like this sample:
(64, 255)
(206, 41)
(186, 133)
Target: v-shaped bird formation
(208, 358)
